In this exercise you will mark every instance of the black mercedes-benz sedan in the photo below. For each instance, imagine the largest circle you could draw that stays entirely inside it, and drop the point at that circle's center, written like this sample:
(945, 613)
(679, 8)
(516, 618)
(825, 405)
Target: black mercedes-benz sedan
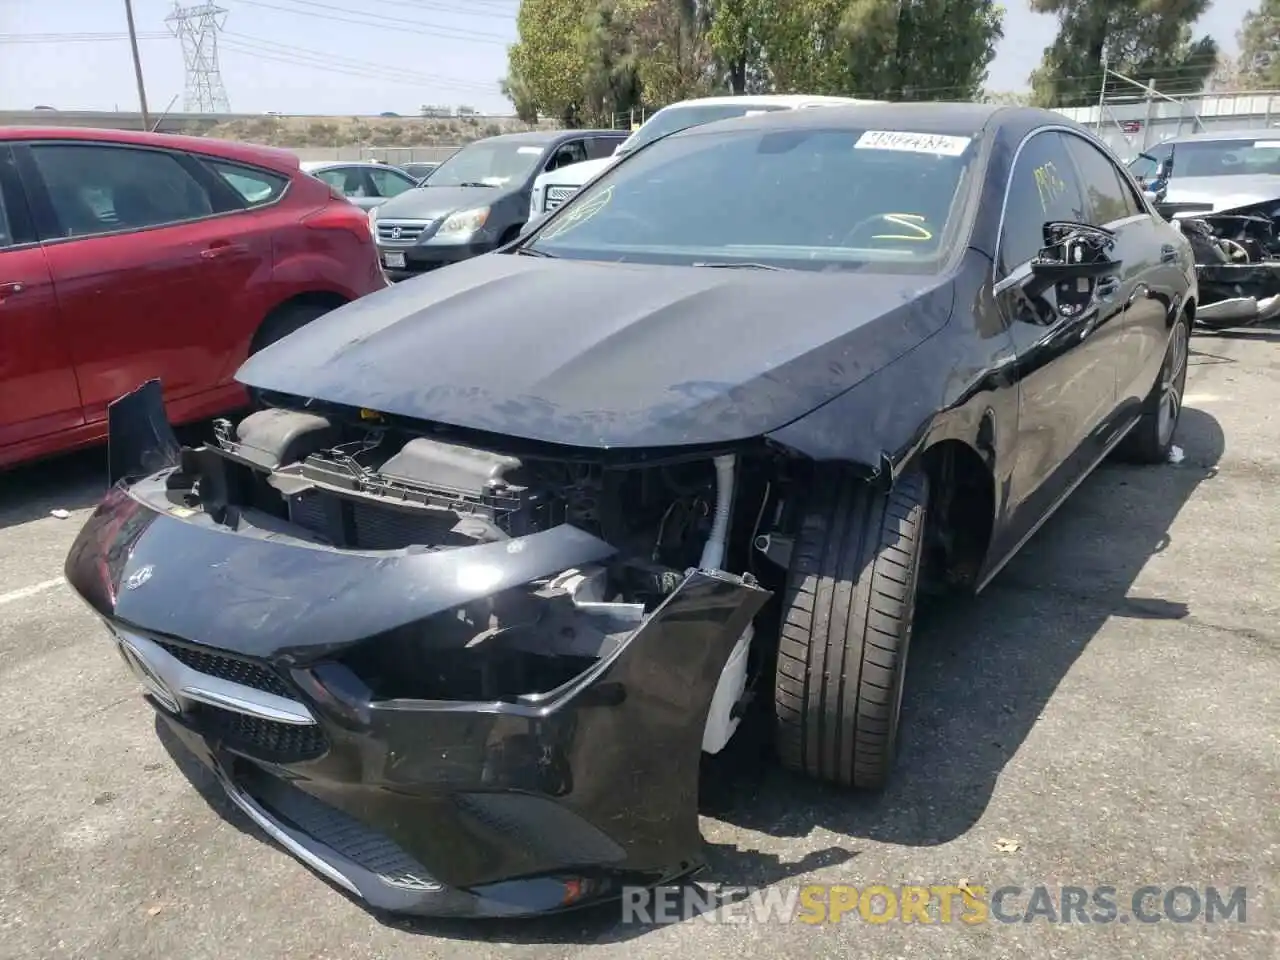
(455, 616)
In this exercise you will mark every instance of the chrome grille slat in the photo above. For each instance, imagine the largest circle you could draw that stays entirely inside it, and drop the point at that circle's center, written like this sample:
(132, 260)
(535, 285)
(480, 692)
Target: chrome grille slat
(556, 196)
(401, 232)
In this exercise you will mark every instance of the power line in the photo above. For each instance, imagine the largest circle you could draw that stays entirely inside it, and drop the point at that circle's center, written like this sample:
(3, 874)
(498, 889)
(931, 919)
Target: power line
(348, 71)
(36, 38)
(394, 24)
(320, 5)
(467, 9)
(302, 56)
(321, 58)
(197, 28)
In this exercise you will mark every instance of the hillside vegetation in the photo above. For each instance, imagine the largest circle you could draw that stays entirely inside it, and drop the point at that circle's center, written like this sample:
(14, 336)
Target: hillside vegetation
(366, 131)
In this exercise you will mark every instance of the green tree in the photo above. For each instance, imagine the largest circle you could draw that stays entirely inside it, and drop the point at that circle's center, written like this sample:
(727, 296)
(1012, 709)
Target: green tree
(549, 59)
(738, 33)
(611, 75)
(674, 58)
(1142, 39)
(517, 91)
(884, 49)
(1259, 38)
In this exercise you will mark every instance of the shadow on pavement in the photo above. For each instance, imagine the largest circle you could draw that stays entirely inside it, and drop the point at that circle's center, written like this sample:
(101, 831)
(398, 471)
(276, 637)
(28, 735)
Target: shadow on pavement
(982, 672)
(71, 481)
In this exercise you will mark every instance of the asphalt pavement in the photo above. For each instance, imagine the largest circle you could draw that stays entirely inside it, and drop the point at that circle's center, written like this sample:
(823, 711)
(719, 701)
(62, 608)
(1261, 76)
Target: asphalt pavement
(1107, 713)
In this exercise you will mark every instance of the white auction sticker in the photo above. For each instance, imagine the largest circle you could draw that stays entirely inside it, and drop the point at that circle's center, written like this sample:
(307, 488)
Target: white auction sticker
(913, 142)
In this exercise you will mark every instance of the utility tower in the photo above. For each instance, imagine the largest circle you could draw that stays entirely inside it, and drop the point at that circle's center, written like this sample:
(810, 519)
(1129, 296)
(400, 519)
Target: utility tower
(197, 27)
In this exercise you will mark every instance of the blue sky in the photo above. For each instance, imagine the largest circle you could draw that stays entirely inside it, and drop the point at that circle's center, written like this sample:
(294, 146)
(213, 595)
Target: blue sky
(338, 56)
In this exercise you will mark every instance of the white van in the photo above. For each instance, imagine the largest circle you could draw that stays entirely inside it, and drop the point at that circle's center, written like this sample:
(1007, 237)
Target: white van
(555, 187)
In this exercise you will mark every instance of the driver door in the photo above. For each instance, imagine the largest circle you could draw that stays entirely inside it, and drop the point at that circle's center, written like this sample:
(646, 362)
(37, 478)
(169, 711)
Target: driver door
(1066, 374)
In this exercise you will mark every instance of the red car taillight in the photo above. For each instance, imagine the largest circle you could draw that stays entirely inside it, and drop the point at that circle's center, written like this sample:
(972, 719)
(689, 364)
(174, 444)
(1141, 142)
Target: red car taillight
(340, 216)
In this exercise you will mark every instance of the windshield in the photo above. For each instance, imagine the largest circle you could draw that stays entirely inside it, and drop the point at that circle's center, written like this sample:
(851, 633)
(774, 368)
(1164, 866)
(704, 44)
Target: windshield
(679, 118)
(800, 199)
(494, 163)
(1216, 158)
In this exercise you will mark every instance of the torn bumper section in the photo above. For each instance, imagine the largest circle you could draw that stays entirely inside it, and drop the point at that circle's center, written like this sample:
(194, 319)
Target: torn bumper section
(424, 767)
(1243, 294)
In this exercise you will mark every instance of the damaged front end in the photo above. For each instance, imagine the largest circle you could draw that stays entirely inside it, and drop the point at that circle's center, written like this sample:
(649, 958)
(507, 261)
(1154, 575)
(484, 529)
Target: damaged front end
(1237, 255)
(452, 681)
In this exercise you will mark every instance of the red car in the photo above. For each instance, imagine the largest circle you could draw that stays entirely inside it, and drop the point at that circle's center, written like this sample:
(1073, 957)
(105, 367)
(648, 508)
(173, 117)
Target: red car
(131, 256)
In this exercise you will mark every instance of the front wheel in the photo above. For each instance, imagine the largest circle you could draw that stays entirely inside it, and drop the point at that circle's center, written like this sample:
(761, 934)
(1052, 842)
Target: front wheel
(846, 628)
(1152, 436)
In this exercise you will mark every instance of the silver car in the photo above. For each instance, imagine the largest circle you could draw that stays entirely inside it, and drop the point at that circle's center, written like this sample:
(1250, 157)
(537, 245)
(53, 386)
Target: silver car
(1223, 188)
(365, 183)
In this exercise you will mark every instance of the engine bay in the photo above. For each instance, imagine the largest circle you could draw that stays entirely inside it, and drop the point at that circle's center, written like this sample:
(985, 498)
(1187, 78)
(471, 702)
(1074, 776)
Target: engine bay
(344, 481)
(369, 487)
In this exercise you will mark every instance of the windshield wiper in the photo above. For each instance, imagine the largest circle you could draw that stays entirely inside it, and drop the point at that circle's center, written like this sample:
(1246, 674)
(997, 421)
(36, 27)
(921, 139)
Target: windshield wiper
(476, 183)
(738, 265)
(530, 252)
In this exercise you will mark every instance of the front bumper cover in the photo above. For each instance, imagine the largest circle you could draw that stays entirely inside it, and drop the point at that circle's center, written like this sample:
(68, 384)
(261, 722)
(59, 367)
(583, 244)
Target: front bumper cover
(439, 807)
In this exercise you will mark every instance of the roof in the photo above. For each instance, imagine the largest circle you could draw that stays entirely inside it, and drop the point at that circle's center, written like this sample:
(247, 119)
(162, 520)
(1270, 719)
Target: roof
(310, 166)
(1250, 133)
(545, 137)
(271, 157)
(955, 119)
(764, 100)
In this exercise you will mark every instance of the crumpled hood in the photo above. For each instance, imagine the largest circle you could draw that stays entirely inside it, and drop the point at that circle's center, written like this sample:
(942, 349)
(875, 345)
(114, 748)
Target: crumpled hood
(604, 354)
(432, 203)
(1225, 193)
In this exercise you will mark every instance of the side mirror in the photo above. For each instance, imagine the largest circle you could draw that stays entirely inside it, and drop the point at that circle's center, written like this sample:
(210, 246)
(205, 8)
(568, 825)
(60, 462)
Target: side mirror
(532, 225)
(1074, 258)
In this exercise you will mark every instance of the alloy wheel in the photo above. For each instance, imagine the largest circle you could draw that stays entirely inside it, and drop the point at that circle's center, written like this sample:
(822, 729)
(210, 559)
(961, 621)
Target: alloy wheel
(1172, 381)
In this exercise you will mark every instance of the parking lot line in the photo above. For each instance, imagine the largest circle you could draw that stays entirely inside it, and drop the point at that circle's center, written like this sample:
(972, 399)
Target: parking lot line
(23, 592)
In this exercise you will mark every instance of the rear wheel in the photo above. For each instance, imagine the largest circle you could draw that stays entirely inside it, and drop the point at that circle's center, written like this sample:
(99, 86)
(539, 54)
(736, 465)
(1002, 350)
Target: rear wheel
(1152, 436)
(846, 628)
(286, 320)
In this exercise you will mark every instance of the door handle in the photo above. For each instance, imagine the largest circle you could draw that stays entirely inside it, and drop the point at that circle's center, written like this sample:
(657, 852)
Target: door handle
(1168, 253)
(10, 289)
(220, 250)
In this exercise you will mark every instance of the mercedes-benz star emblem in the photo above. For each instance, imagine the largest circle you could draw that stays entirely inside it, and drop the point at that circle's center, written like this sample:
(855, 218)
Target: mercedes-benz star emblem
(139, 577)
(147, 676)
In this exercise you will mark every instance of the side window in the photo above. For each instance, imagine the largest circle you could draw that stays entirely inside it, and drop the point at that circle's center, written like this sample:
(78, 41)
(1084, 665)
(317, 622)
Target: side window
(256, 187)
(99, 189)
(390, 183)
(15, 222)
(334, 177)
(600, 147)
(1146, 169)
(575, 151)
(1109, 197)
(349, 180)
(1043, 187)
(6, 237)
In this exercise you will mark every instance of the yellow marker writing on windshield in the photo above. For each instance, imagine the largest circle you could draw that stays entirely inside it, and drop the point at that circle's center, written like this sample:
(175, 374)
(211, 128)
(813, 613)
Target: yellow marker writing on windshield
(912, 224)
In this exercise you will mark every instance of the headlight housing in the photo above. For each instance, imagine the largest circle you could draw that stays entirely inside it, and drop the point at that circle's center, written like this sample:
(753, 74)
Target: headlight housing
(373, 222)
(463, 223)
